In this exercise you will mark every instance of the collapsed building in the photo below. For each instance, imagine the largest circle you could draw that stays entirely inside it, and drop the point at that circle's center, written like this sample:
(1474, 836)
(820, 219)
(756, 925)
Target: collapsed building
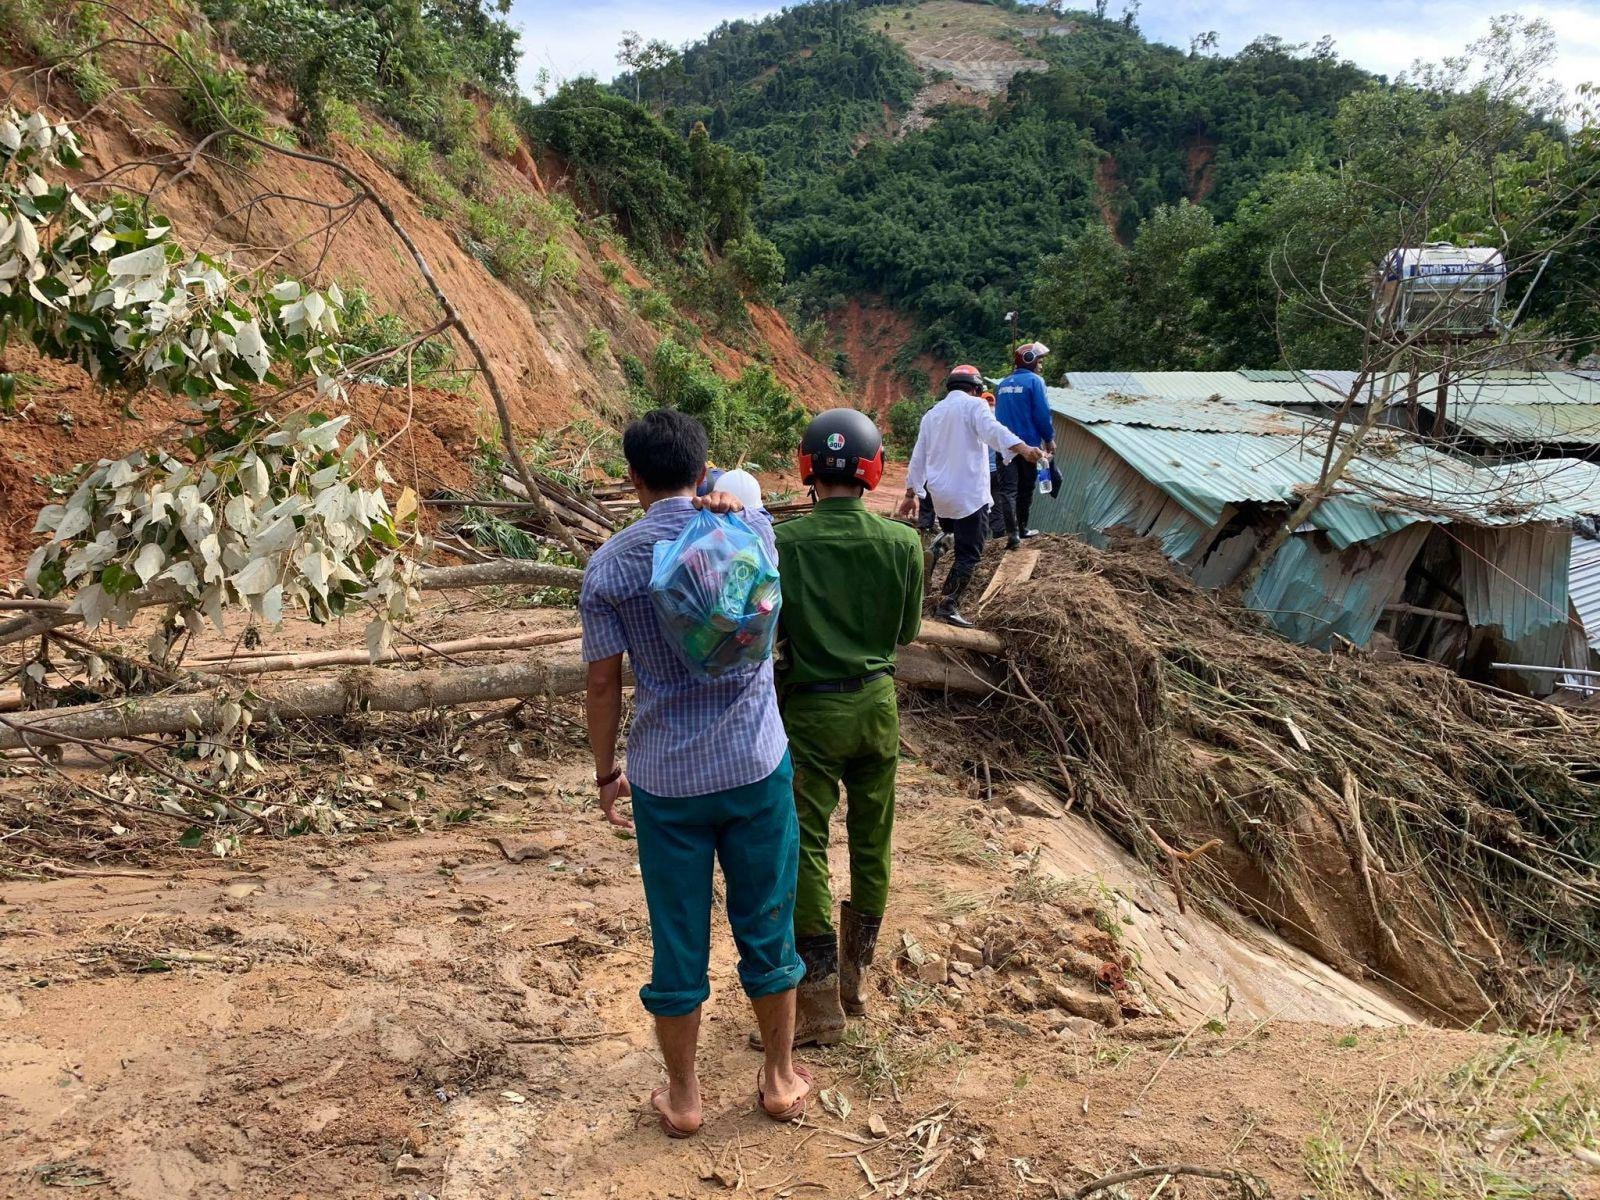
(1483, 562)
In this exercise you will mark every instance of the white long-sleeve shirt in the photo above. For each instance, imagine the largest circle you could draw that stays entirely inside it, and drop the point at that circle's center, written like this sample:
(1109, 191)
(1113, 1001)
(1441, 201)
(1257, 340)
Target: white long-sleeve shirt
(951, 458)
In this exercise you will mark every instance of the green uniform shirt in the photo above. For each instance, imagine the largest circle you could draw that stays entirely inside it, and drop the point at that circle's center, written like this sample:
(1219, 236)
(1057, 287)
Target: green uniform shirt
(852, 591)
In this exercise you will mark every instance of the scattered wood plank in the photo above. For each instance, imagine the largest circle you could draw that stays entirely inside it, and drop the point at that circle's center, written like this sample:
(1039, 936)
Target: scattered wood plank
(1015, 568)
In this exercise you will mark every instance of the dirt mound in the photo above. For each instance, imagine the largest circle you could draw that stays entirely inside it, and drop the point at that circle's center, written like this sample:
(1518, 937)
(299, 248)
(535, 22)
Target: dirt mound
(65, 420)
(1392, 819)
(873, 337)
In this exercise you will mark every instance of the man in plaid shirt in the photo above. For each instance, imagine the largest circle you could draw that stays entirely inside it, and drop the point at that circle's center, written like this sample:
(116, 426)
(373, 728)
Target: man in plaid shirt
(709, 773)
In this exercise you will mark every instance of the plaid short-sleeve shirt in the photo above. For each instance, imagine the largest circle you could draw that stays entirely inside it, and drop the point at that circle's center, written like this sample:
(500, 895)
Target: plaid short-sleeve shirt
(690, 736)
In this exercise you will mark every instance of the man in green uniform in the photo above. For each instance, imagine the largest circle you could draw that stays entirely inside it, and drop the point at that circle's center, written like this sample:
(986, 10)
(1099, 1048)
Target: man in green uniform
(852, 592)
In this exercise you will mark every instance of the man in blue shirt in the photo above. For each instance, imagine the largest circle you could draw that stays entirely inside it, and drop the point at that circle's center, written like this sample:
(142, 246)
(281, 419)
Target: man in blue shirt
(710, 776)
(1022, 406)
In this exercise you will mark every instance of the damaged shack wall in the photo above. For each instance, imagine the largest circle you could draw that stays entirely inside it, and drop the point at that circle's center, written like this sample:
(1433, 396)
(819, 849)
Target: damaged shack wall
(1099, 491)
(1514, 587)
(1311, 591)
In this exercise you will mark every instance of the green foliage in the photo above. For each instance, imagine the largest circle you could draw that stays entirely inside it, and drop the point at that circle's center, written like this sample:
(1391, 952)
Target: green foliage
(948, 221)
(1128, 308)
(798, 89)
(211, 98)
(466, 168)
(367, 331)
(654, 306)
(757, 266)
(320, 51)
(59, 35)
(665, 190)
(905, 418)
(502, 128)
(596, 344)
(753, 418)
(416, 60)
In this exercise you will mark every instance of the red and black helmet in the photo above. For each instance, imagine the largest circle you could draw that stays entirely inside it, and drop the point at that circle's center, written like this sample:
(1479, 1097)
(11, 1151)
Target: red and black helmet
(1029, 354)
(841, 446)
(966, 377)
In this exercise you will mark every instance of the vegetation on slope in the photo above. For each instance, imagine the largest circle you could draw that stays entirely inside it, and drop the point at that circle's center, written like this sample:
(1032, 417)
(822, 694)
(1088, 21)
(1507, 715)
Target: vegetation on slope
(1130, 197)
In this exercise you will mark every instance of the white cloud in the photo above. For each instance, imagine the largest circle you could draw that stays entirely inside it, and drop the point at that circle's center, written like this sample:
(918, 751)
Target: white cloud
(569, 40)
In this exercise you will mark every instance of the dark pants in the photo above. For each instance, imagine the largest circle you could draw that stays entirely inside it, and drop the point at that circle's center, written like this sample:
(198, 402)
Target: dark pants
(1019, 479)
(969, 533)
(997, 520)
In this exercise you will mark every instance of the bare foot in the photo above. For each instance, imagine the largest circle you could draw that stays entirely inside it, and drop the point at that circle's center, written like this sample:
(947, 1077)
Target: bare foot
(783, 1094)
(679, 1113)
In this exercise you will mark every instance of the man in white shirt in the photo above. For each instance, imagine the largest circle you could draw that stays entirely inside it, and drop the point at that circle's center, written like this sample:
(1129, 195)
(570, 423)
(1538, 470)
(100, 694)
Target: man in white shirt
(951, 461)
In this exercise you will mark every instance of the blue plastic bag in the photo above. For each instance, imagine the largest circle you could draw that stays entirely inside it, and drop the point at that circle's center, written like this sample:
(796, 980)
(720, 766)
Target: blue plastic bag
(715, 591)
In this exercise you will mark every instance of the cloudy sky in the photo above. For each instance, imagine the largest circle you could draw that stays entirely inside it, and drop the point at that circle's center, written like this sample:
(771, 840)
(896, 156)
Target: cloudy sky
(569, 39)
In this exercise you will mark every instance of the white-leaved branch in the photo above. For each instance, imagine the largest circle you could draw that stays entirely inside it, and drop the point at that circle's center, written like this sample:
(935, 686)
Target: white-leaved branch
(267, 513)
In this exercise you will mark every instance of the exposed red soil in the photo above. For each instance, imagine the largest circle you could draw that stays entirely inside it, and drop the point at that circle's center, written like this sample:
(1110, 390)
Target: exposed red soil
(1106, 186)
(65, 420)
(1199, 166)
(536, 348)
(871, 335)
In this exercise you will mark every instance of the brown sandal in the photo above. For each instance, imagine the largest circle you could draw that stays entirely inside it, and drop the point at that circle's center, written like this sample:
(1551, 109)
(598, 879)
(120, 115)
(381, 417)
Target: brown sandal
(796, 1110)
(667, 1127)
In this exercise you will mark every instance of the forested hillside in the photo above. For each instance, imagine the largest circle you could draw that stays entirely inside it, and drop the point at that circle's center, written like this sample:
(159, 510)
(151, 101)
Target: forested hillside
(1127, 197)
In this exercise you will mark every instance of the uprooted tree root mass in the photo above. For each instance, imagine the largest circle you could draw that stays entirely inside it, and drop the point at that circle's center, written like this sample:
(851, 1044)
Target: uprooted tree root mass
(1390, 817)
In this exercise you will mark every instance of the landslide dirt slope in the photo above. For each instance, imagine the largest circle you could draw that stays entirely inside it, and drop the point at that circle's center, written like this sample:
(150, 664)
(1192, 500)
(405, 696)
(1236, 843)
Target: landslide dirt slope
(537, 346)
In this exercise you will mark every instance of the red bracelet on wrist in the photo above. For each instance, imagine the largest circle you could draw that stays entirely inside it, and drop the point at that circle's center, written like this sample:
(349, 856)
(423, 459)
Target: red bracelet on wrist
(604, 780)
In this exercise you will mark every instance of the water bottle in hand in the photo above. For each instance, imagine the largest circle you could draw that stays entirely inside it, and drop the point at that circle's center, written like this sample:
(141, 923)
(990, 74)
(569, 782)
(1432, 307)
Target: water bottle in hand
(1044, 475)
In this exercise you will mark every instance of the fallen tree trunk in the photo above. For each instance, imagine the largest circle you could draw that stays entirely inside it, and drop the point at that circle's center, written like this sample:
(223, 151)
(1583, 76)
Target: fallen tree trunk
(267, 663)
(45, 615)
(502, 572)
(369, 689)
(919, 667)
(357, 690)
(956, 638)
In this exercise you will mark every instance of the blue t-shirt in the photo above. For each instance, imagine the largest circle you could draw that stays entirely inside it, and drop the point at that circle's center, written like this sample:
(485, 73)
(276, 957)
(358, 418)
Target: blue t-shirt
(1021, 405)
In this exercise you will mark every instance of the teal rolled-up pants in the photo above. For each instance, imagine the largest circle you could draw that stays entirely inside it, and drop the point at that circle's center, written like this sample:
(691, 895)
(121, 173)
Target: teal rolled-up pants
(752, 832)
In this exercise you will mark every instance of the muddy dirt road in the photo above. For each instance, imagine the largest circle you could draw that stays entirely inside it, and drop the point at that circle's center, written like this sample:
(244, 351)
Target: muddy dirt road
(420, 1016)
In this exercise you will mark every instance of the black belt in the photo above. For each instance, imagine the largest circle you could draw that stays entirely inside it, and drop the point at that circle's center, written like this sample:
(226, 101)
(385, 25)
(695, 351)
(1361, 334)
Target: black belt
(843, 685)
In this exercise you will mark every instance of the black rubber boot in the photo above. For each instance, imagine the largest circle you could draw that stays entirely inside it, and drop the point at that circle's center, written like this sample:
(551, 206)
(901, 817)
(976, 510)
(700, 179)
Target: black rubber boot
(818, 1017)
(858, 942)
(949, 609)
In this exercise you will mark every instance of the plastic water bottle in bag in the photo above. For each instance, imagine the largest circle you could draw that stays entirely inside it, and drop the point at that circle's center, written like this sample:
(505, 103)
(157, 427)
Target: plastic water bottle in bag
(715, 590)
(1044, 476)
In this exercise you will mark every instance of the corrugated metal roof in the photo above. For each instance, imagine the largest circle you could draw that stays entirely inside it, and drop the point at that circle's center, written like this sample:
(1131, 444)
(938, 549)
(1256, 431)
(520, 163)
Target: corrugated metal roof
(1566, 424)
(1516, 387)
(1208, 455)
(1175, 412)
(1583, 585)
(1103, 381)
(1514, 584)
(1571, 483)
(1200, 385)
(1309, 593)
(1320, 386)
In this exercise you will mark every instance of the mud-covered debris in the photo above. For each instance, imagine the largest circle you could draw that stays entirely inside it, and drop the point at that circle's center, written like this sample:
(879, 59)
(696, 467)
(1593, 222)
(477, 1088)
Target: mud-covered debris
(1029, 800)
(531, 846)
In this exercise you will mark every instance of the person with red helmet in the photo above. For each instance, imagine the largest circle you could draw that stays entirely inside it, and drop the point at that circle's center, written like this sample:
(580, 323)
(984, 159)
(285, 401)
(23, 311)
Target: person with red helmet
(852, 593)
(951, 462)
(1021, 403)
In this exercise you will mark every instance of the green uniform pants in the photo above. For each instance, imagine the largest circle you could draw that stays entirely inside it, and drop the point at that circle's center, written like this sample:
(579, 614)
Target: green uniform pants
(851, 738)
